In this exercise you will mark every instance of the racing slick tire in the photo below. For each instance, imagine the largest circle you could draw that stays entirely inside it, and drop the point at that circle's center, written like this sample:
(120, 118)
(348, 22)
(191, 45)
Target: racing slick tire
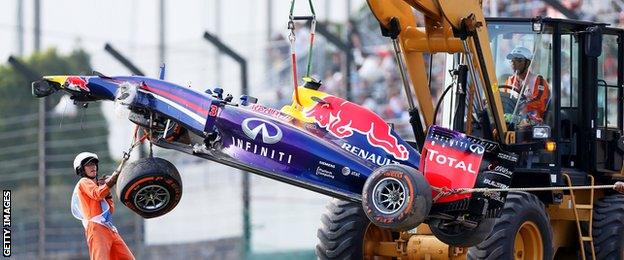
(608, 228)
(151, 187)
(396, 197)
(522, 232)
(461, 236)
(346, 233)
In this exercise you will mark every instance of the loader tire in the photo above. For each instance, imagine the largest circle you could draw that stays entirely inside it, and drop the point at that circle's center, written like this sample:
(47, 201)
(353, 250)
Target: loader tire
(522, 232)
(151, 187)
(345, 231)
(608, 227)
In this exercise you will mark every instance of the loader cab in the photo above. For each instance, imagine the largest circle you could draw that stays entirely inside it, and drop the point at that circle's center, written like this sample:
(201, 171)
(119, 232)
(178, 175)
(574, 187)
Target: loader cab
(582, 63)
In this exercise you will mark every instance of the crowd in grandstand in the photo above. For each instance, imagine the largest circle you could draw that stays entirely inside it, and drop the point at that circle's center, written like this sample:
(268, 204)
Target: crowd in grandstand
(375, 80)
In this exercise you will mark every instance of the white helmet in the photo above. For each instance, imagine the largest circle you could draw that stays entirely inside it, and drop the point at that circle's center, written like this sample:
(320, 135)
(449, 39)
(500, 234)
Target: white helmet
(82, 159)
(520, 52)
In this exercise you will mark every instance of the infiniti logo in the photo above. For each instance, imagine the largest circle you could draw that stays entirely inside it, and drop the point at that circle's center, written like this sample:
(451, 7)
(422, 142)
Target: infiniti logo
(478, 149)
(270, 132)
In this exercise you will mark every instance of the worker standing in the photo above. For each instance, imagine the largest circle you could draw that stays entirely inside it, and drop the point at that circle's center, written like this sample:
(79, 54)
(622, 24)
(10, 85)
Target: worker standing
(92, 203)
(533, 88)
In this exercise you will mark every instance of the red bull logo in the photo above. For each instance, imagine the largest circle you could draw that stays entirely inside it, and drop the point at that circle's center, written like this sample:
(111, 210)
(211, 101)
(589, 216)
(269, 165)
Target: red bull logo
(342, 118)
(76, 83)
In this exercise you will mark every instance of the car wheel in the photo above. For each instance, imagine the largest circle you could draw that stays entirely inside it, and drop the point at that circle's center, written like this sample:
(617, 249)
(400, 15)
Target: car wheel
(150, 187)
(396, 197)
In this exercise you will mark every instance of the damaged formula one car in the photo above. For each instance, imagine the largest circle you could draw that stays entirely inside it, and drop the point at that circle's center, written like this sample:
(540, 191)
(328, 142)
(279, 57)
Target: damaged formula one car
(322, 143)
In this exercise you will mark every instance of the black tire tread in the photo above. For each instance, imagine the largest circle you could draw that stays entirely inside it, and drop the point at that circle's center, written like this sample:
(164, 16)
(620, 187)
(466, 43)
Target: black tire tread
(342, 231)
(152, 166)
(147, 166)
(496, 246)
(608, 227)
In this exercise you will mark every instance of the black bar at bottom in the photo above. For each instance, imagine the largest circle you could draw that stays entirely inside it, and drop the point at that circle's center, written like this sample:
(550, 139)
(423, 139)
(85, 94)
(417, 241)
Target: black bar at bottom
(306, 18)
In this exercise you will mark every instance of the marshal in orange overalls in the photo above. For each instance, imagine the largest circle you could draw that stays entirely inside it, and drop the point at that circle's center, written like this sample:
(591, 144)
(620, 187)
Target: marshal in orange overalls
(95, 209)
(537, 94)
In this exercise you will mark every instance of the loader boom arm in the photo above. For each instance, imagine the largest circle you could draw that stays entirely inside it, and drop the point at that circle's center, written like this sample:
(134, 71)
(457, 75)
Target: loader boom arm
(446, 23)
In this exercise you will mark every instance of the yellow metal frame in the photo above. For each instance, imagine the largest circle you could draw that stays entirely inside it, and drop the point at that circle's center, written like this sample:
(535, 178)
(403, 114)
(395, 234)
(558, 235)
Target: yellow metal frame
(587, 207)
(437, 36)
(421, 244)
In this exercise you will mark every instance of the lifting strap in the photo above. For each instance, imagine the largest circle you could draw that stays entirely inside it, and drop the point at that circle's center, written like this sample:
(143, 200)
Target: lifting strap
(291, 39)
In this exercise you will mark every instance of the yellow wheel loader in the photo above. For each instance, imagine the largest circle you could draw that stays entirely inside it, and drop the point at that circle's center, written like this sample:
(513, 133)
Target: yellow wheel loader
(549, 90)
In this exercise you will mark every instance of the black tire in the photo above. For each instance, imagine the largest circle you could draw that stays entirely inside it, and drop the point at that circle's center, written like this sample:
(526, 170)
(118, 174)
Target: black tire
(608, 227)
(521, 208)
(461, 236)
(408, 207)
(153, 177)
(342, 232)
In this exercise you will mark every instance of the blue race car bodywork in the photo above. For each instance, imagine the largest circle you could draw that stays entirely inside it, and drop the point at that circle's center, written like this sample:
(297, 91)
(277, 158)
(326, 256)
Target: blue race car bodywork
(249, 136)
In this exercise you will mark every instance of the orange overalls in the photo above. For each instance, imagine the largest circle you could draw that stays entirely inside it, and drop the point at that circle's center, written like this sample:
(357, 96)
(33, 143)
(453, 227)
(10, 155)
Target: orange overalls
(537, 94)
(90, 205)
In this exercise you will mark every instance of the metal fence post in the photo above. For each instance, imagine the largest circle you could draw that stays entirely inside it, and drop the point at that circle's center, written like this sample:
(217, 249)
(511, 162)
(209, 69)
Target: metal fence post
(245, 182)
(42, 137)
(138, 221)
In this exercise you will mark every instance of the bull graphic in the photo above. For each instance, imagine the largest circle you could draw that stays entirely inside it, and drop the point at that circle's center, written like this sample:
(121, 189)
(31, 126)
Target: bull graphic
(341, 118)
(76, 83)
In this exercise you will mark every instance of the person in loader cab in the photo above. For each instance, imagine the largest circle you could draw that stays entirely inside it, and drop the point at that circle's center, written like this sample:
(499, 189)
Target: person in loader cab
(92, 203)
(533, 88)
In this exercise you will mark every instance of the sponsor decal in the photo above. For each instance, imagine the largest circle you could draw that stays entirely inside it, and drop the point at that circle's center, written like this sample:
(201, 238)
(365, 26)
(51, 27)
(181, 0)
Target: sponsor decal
(451, 162)
(346, 171)
(508, 157)
(341, 118)
(325, 173)
(462, 144)
(366, 155)
(271, 133)
(500, 170)
(262, 150)
(495, 195)
(495, 184)
(6, 223)
(271, 112)
(76, 83)
(475, 148)
(326, 164)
